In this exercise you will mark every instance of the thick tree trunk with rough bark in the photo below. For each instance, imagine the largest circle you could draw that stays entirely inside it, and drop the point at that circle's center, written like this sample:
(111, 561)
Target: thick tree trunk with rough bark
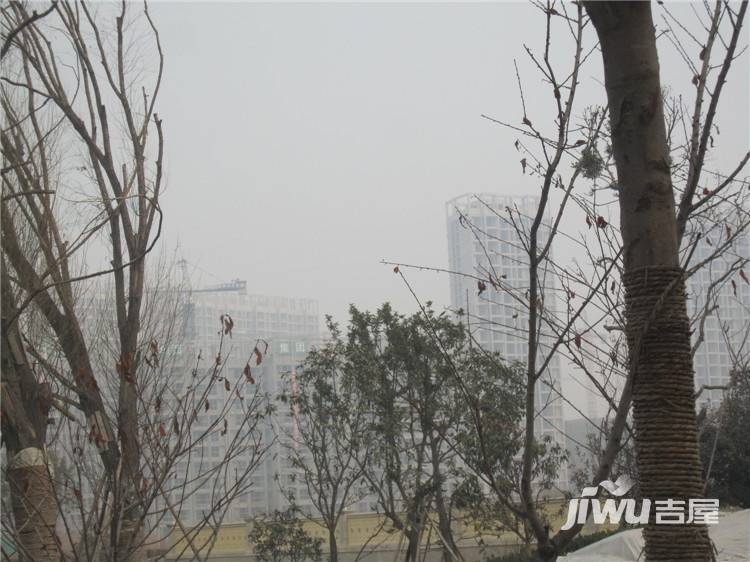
(25, 409)
(34, 505)
(656, 319)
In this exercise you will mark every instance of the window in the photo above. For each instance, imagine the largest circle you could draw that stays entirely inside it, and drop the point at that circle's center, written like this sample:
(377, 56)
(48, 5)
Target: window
(299, 347)
(284, 347)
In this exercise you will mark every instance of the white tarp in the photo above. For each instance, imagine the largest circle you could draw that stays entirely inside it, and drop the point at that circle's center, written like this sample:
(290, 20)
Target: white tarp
(731, 538)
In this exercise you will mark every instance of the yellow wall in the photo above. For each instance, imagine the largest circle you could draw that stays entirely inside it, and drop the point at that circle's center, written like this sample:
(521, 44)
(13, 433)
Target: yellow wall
(361, 526)
(231, 538)
(356, 529)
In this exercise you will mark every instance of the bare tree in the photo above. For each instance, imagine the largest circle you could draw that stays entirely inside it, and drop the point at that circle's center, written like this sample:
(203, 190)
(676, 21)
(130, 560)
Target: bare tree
(579, 310)
(96, 350)
(127, 191)
(657, 324)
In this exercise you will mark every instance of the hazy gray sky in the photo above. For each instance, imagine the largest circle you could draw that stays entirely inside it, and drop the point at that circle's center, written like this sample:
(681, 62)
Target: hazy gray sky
(305, 143)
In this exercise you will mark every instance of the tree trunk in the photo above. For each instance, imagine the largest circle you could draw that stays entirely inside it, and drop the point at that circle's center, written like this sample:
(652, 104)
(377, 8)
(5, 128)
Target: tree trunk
(34, 505)
(412, 543)
(657, 325)
(25, 409)
(450, 551)
(333, 547)
(129, 536)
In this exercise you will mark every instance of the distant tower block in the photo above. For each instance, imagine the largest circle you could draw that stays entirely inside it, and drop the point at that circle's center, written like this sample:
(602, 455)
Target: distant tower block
(485, 241)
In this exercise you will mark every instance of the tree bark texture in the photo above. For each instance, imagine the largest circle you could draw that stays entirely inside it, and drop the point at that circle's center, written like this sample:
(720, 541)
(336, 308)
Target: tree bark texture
(657, 325)
(25, 409)
(34, 506)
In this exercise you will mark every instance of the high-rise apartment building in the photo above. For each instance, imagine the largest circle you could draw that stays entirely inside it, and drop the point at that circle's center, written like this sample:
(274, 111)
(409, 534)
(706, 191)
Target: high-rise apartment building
(290, 327)
(483, 240)
(724, 302)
